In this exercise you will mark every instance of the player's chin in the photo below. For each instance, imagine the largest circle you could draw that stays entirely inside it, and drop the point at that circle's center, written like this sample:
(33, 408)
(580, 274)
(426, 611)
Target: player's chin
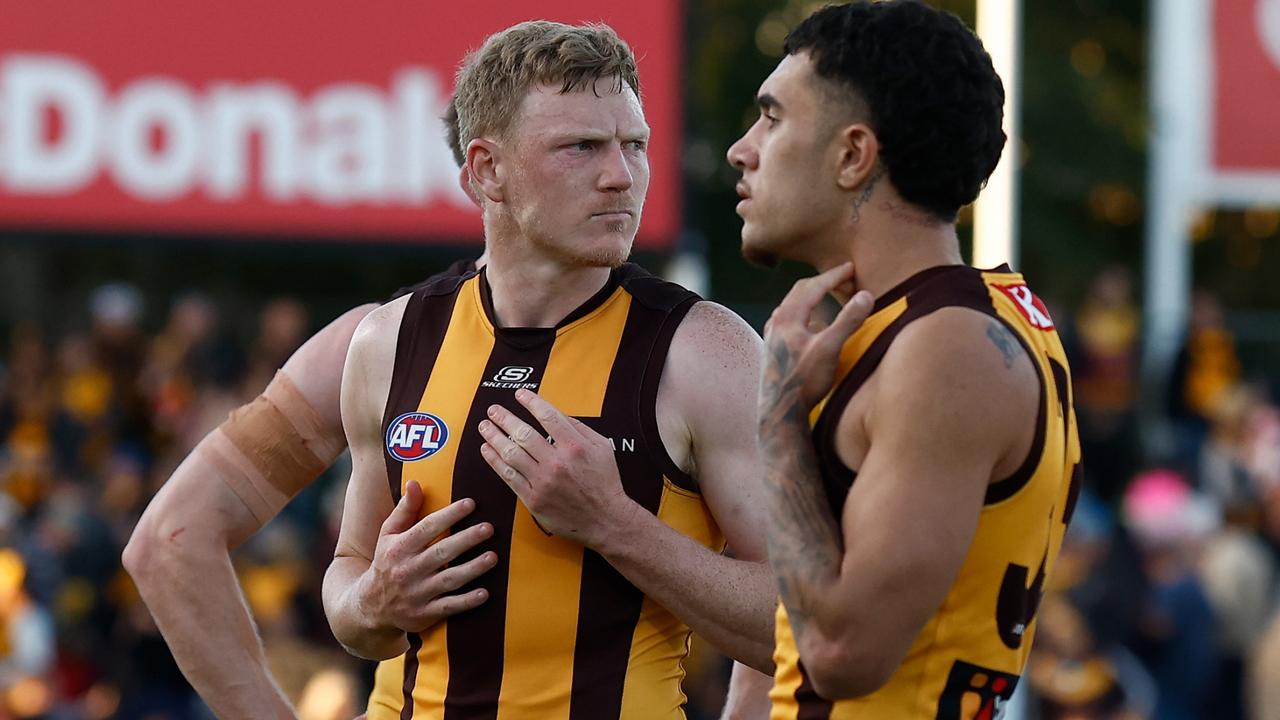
(610, 250)
(755, 251)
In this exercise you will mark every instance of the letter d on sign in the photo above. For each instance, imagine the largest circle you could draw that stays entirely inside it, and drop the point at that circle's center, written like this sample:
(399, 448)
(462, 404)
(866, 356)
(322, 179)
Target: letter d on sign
(32, 85)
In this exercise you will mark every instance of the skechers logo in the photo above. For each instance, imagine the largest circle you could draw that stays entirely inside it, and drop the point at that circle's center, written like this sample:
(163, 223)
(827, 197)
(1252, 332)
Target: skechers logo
(511, 377)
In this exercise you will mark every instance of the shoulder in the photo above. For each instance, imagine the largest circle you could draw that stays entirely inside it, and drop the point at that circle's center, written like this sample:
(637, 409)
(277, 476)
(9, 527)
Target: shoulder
(380, 322)
(713, 369)
(443, 282)
(967, 366)
(373, 342)
(652, 291)
(713, 337)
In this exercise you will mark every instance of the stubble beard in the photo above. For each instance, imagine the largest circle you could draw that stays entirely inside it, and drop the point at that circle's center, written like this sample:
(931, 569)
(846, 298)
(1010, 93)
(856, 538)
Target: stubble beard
(610, 255)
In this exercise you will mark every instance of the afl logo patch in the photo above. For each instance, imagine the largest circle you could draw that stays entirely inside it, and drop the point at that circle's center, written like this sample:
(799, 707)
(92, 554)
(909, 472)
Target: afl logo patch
(416, 435)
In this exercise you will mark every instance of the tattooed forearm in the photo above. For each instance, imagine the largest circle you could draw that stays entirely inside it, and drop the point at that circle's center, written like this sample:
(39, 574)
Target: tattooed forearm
(1003, 339)
(803, 535)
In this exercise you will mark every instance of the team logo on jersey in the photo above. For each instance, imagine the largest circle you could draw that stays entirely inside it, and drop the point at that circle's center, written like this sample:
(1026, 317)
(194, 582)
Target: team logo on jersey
(511, 377)
(1029, 305)
(416, 435)
(975, 693)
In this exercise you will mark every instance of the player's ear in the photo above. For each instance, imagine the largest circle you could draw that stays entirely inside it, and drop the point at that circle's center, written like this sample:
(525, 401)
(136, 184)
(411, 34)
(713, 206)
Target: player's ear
(464, 182)
(859, 150)
(482, 164)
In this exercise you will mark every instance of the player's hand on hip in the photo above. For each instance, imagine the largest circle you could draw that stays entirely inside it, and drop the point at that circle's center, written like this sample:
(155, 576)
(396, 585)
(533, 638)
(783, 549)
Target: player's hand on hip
(569, 482)
(802, 357)
(409, 582)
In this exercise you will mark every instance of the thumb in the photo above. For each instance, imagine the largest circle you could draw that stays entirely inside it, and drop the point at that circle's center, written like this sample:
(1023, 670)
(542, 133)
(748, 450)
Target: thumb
(851, 316)
(405, 513)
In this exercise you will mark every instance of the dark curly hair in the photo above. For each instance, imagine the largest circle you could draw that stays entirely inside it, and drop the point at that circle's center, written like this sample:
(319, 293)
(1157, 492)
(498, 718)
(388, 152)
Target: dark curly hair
(934, 99)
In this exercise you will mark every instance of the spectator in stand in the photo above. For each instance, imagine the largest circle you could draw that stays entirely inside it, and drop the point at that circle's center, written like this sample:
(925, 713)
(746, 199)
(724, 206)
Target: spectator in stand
(120, 348)
(282, 327)
(1106, 333)
(1206, 367)
(1171, 524)
(1227, 467)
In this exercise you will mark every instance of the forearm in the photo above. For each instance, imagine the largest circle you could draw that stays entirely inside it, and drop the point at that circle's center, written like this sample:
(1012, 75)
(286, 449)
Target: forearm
(805, 548)
(190, 587)
(351, 623)
(748, 696)
(728, 602)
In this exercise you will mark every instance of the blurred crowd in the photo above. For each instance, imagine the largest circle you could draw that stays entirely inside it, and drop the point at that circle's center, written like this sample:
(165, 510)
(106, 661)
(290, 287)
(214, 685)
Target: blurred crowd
(1163, 605)
(92, 422)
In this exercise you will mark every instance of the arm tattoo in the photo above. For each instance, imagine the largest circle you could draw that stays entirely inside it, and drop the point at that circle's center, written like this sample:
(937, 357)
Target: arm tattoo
(805, 548)
(1002, 338)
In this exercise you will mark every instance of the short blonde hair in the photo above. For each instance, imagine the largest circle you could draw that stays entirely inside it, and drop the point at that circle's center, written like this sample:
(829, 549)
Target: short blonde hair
(493, 81)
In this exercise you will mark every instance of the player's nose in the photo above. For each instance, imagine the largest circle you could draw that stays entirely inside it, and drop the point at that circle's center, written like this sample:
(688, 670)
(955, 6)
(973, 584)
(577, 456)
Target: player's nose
(615, 175)
(742, 155)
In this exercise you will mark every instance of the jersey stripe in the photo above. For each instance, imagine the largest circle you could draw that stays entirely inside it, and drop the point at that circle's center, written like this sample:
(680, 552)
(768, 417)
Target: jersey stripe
(476, 638)
(610, 605)
(417, 346)
(544, 587)
(464, 339)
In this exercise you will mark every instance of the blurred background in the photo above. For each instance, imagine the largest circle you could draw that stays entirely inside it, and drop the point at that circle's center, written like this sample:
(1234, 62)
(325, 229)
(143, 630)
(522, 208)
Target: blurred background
(187, 193)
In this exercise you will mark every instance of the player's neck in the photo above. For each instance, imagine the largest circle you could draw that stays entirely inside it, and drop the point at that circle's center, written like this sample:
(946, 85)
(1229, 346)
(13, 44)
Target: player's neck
(888, 246)
(535, 292)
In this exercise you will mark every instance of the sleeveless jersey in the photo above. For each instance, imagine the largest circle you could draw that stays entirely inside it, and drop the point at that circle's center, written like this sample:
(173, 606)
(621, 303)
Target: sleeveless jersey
(563, 635)
(967, 659)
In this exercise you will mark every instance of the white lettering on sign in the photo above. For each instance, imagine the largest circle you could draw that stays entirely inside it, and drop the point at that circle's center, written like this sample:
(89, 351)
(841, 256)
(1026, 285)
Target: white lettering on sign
(1268, 17)
(160, 138)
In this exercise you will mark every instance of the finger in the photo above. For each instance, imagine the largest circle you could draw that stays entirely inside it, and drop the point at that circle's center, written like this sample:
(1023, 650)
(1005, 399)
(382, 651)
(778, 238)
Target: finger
(798, 305)
(405, 513)
(437, 523)
(451, 579)
(850, 318)
(444, 551)
(508, 451)
(519, 431)
(452, 605)
(512, 477)
(585, 431)
(552, 420)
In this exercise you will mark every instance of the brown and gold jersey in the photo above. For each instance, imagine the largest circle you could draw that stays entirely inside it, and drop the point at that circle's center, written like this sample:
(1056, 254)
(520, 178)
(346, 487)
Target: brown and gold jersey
(967, 659)
(562, 635)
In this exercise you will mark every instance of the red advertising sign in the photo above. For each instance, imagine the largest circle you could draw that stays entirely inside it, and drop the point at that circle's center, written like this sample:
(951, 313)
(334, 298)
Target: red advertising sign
(1246, 115)
(289, 117)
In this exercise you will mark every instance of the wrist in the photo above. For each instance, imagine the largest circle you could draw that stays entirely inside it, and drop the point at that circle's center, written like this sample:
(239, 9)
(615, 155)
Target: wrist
(621, 526)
